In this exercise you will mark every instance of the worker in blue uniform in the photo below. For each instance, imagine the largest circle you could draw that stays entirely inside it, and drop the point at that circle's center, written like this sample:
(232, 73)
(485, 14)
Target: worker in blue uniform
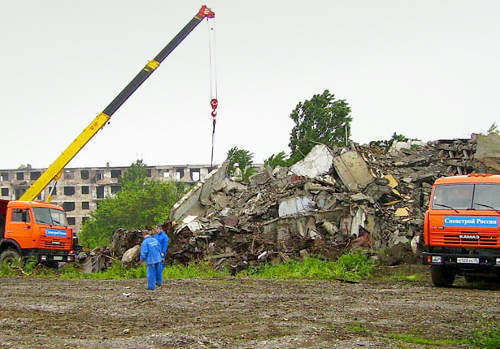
(163, 240)
(150, 253)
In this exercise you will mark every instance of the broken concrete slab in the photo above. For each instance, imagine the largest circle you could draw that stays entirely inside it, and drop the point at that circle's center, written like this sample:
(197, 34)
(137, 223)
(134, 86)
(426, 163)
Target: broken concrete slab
(212, 181)
(318, 162)
(294, 206)
(192, 202)
(488, 150)
(131, 255)
(352, 170)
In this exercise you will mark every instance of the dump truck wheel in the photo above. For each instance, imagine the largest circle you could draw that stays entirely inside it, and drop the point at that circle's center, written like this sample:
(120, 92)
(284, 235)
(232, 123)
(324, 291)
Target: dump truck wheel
(10, 257)
(442, 277)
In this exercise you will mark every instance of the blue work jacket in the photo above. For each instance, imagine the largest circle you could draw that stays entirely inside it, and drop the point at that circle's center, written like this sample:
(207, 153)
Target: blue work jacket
(150, 251)
(163, 240)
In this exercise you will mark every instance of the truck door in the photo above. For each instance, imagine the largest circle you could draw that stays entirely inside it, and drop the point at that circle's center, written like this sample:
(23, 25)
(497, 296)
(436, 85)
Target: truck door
(20, 227)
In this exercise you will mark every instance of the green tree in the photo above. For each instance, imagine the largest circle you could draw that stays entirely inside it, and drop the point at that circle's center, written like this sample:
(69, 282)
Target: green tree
(140, 202)
(134, 177)
(277, 160)
(493, 129)
(245, 160)
(323, 119)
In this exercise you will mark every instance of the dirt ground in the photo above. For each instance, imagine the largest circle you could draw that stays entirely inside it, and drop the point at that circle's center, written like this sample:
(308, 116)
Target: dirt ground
(238, 313)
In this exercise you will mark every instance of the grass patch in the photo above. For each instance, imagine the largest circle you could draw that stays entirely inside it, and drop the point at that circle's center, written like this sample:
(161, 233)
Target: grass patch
(407, 338)
(488, 337)
(357, 328)
(353, 266)
(193, 270)
(403, 277)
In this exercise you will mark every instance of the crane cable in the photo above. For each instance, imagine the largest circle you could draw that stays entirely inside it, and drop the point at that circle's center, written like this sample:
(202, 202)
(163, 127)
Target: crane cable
(213, 82)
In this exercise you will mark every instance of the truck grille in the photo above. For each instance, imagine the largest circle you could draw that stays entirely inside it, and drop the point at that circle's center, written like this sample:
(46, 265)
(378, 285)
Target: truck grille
(59, 245)
(485, 240)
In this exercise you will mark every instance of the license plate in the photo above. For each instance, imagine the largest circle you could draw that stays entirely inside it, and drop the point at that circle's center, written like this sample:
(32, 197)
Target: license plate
(468, 260)
(58, 258)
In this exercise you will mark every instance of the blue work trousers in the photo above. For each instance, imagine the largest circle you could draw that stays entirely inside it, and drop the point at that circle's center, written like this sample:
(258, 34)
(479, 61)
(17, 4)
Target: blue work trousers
(162, 265)
(153, 272)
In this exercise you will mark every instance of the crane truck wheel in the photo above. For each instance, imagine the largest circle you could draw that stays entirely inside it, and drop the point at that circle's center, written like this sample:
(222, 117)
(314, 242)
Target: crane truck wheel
(10, 257)
(442, 277)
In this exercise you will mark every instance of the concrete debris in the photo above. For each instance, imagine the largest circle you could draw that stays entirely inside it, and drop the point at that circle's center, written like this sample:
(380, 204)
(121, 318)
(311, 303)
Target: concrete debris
(131, 255)
(363, 196)
(352, 170)
(294, 206)
(488, 150)
(318, 162)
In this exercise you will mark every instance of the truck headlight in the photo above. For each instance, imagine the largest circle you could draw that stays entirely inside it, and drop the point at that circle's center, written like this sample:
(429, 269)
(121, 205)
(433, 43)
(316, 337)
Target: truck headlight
(437, 259)
(498, 261)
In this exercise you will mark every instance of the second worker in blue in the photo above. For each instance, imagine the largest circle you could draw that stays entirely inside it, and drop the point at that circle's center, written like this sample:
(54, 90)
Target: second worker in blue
(163, 240)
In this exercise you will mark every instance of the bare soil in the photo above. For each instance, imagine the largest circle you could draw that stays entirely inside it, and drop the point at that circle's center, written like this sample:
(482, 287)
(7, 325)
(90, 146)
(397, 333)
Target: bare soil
(239, 313)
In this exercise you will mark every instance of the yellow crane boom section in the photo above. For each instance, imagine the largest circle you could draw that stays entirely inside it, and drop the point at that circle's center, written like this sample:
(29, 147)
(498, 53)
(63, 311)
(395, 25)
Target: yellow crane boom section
(66, 156)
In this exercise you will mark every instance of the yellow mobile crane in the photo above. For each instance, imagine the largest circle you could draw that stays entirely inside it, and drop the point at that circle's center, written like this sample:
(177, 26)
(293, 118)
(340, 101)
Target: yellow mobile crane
(39, 229)
(53, 171)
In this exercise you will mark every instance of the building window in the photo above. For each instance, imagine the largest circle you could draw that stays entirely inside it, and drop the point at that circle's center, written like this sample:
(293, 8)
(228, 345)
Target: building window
(69, 190)
(84, 219)
(179, 173)
(195, 174)
(54, 192)
(85, 189)
(5, 191)
(4, 176)
(69, 206)
(149, 172)
(115, 189)
(19, 192)
(100, 192)
(84, 174)
(19, 176)
(35, 175)
(98, 175)
(69, 174)
(85, 205)
(71, 220)
(116, 173)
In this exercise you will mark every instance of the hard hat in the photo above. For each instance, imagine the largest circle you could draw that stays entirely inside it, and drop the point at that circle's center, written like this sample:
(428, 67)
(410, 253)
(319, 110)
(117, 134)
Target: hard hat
(236, 165)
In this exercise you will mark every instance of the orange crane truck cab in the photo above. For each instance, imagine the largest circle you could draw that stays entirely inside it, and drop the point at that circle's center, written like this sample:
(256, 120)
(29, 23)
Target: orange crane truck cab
(34, 228)
(462, 228)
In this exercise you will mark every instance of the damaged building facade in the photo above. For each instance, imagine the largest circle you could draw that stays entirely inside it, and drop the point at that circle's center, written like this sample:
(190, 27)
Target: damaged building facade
(80, 189)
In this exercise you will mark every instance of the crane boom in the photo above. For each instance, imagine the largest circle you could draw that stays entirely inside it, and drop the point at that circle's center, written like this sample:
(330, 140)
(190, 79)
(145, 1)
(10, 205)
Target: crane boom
(100, 120)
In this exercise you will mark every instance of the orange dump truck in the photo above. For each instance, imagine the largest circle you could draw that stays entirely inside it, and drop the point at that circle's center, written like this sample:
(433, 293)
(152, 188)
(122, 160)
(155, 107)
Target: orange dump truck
(462, 228)
(33, 228)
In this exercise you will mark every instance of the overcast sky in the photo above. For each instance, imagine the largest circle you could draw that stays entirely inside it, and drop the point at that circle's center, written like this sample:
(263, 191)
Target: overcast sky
(428, 69)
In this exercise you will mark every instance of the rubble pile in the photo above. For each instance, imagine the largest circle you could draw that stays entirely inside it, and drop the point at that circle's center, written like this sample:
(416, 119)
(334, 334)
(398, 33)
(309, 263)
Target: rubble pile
(371, 196)
(365, 196)
(124, 246)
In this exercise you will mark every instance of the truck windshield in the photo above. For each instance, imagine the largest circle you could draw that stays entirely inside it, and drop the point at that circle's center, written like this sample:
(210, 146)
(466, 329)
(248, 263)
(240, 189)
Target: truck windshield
(44, 215)
(466, 197)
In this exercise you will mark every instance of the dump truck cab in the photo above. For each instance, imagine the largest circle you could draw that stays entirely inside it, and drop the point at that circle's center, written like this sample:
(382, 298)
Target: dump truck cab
(462, 228)
(34, 228)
